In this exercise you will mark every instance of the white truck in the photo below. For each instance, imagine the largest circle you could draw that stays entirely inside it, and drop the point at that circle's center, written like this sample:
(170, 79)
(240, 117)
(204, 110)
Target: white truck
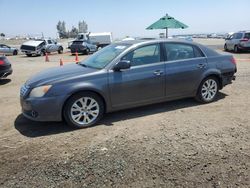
(40, 47)
(99, 39)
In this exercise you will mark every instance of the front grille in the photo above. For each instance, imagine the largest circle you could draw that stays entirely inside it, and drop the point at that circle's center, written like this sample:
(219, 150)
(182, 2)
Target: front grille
(25, 47)
(24, 90)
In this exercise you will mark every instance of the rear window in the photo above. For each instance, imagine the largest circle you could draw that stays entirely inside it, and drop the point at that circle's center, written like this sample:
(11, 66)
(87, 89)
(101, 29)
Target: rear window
(238, 35)
(77, 42)
(247, 35)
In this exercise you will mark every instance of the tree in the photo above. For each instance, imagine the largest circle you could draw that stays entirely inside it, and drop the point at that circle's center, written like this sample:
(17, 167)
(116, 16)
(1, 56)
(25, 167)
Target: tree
(2, 35)
(82, 27)
(73, 33)
(61, 29)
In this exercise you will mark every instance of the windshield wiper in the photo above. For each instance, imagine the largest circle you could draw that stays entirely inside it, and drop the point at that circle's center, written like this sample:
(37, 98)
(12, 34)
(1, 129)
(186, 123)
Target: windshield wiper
(82, 64)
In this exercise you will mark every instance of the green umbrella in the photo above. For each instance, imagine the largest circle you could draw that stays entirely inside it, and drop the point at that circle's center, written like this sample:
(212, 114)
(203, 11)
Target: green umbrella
(167, 22)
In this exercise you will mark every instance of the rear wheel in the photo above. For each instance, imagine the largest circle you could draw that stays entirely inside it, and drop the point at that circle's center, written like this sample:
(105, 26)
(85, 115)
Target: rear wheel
(208, 90)
(83, 110)
(15, 52)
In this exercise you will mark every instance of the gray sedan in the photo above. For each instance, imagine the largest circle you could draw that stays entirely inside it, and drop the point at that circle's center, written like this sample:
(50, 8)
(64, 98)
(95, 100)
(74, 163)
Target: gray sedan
(7, 50)
(125, 75)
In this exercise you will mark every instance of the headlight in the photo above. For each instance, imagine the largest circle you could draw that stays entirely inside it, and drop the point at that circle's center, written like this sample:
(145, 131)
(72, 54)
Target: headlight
(39, 91)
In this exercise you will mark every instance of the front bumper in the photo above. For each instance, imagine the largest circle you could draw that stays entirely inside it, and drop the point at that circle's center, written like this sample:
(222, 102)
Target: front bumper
(43, 109)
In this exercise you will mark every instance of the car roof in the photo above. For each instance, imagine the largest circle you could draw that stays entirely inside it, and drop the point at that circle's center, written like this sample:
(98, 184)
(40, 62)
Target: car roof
(138, 41)
(206, 51)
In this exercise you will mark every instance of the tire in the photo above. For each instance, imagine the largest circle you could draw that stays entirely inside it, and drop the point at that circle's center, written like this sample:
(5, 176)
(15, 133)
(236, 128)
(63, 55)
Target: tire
(236, 49)
(60, 50)
(208, 90)
(225, 48)
(42, 53)
(15, 52)
(28, 55)
(87, 51)
(79, 105)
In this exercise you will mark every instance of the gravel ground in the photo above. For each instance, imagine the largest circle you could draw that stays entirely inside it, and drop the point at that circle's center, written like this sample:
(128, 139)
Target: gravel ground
(173, 144)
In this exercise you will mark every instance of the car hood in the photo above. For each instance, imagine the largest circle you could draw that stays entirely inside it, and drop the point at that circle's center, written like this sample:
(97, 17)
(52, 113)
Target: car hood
(56, 74)
(33, 43)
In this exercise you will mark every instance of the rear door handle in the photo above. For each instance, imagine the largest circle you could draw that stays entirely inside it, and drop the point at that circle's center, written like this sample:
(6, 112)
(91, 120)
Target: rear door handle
(201, 65)
(158, 72)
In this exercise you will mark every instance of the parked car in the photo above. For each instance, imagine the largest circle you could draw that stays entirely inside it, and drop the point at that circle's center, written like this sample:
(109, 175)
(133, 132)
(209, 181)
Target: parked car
(239, 41)
(99, 39)
(5, 67)
(40, 47)
(83, 47)
(7, 50)
(125, 75)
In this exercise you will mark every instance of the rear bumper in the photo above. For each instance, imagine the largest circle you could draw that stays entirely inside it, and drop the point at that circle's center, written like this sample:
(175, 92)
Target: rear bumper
(78, 50)
(244, 48)
(227, 78)
(6, 72)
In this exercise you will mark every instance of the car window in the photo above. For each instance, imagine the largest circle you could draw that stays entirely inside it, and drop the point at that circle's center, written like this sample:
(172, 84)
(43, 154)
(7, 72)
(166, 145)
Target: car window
(144, 55)
(49, 42)
(247, 35)
(238, 35)
(181, 51)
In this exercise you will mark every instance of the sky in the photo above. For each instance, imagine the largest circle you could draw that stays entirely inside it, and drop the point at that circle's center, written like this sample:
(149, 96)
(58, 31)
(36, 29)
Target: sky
(122, 18)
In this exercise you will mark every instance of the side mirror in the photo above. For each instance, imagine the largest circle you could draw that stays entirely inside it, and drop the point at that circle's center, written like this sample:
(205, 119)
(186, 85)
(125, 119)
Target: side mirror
(122, 65)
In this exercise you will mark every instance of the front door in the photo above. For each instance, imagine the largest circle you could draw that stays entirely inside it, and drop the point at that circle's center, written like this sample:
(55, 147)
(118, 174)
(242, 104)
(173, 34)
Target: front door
(143, 82)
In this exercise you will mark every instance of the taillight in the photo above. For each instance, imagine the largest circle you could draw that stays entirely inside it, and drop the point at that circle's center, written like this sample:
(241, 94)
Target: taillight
(244, 40)
(2, 62)
(233, 60)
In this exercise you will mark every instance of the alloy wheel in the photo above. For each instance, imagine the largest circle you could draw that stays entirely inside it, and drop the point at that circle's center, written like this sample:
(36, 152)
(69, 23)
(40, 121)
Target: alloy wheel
(84, 111)
(209, 90)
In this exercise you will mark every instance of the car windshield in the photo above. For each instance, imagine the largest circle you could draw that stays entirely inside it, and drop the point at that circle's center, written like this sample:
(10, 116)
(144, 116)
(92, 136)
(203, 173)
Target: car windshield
(103, 57)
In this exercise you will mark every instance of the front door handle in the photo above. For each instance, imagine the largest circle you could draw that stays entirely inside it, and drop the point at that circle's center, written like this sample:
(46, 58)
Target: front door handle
(201, 65)
(158, 73)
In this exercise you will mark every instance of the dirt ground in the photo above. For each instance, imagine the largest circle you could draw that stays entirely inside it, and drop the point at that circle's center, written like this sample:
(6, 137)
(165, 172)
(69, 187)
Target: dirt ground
(173, 144)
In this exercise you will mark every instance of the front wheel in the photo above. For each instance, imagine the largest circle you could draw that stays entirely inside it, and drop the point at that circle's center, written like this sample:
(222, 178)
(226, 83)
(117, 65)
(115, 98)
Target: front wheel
(60, 50)
(208, 90)
(236, 49)
(83, 110)
(225, 47)
(87, 51)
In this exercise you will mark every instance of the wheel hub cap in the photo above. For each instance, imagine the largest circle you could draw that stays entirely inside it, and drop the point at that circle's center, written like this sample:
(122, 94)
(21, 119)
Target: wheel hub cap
(209, 89)
(84, 110)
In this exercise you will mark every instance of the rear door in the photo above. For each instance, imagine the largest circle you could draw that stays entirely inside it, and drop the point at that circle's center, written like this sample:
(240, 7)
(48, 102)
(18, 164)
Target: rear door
(185, 65)
(143, 82)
